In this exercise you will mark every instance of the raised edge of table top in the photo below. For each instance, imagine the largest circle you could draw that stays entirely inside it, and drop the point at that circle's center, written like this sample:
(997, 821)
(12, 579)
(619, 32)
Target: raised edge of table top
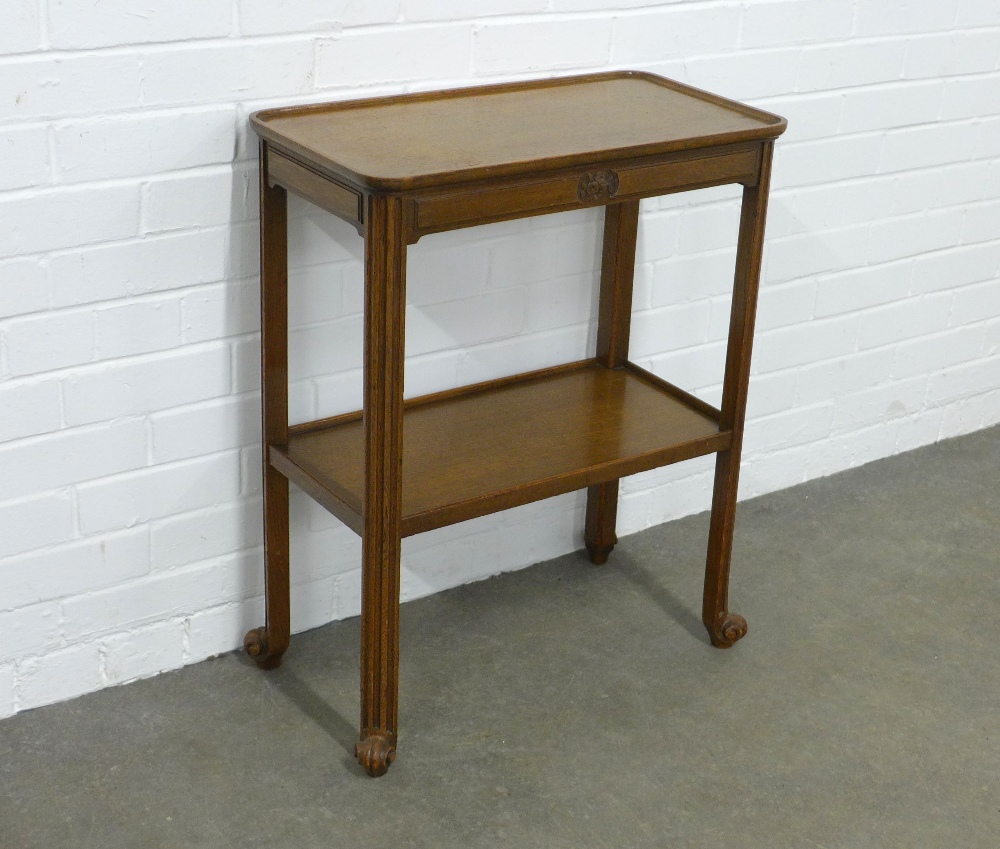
(457, 135)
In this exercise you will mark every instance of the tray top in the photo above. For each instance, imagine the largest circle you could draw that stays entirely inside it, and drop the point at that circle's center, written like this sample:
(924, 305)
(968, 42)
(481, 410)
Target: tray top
(443, 137)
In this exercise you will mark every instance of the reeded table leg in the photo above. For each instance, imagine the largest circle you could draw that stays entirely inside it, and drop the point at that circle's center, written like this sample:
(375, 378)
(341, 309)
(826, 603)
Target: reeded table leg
(266, 645)
(614, 318)
(724, 627)
(385, 307)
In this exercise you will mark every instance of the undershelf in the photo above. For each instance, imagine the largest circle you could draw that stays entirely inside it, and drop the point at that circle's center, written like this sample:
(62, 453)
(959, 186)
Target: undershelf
(488, 447)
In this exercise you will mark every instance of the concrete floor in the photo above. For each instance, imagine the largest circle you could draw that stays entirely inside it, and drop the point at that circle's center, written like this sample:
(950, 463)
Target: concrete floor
(578, 706)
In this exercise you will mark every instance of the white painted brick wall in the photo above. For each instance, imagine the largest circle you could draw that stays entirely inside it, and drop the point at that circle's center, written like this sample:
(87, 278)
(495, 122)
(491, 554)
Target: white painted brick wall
(129, 366)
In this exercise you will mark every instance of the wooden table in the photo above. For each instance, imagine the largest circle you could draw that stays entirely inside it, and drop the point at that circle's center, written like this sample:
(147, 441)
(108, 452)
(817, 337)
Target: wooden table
(398, 168)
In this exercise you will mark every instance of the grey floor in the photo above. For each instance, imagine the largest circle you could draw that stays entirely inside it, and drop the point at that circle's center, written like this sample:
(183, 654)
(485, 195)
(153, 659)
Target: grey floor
(578, 706)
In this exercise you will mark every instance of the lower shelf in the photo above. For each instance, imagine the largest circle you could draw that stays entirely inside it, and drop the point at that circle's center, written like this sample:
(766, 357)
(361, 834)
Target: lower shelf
(488, 447)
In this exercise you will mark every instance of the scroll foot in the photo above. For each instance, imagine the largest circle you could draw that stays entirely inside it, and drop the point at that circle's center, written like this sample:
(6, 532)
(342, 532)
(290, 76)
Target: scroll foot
(599, 553)
(727, 630)
(375, 753)
(255, 644)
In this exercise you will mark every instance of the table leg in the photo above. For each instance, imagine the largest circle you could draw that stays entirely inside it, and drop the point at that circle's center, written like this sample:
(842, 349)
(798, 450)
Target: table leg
(266, 645)
(724, 627)
(614, 320)
(385, 308)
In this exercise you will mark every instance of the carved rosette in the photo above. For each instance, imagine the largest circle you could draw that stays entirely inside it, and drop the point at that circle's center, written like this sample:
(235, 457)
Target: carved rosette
(597, 187)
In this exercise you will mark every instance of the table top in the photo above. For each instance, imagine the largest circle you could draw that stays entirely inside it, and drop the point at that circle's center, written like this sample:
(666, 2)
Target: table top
(444, 137)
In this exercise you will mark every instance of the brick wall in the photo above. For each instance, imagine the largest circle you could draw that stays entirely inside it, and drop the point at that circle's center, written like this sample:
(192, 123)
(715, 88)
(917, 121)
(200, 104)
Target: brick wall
(129, 434)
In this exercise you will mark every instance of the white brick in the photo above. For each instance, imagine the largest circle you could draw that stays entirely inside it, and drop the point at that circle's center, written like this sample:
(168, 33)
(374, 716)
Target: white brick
(29, 631)
(796, 21)
(59, 675)
(810, 117)
(35, 523)
(104, 23)
(937, 351)
(988, 143)
(793, 427)
(54, 340)
(827, 160)
(221, 73)
(62, 85)
(669, 328)
(199, 200)
(862, 287)
(891, 17)
(144, 601)
(920, 147)
(905, 319)
(977, 13)
(745, 75)
(320, 349)
(432, 276)
(24, 157)
(143, 652)
(957, 267)
(948, 54)
(976, 303)
(809, 342)
(692, 277)
(8, 703)
(525, 353)
(832, 378)
(560, 252)
(814, 253)
(126, 500)
(980, 223)
(692, 368)
(316, 294)
(37, 408)
(135, 268)
(963, 380)
(893, 106)
(781, 306)
(23, 287)
(971, 97)
(79, 567)
(262, 17)
(70, 456)
(205, 428)
(226, 309)
(563, 301)
(64, 218)
(221, 629)
(847, 63)
(674, 33)
(204, 534)
(22, 29)
(453, 324)
(446, 10)
(365, 57)
(138, 328)
(504, 48)
(709, 228)
(914, 234)
(137, 387)
(108, 148)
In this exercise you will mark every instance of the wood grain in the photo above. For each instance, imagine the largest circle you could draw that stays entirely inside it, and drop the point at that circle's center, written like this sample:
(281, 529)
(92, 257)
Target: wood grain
(486, 449)
(435, 138)
(614, 321)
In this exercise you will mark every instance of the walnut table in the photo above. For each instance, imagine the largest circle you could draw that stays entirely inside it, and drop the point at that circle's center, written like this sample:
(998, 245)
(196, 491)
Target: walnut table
(398, 168)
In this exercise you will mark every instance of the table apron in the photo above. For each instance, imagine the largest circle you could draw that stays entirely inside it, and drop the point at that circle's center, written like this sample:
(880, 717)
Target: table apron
(471, 205)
